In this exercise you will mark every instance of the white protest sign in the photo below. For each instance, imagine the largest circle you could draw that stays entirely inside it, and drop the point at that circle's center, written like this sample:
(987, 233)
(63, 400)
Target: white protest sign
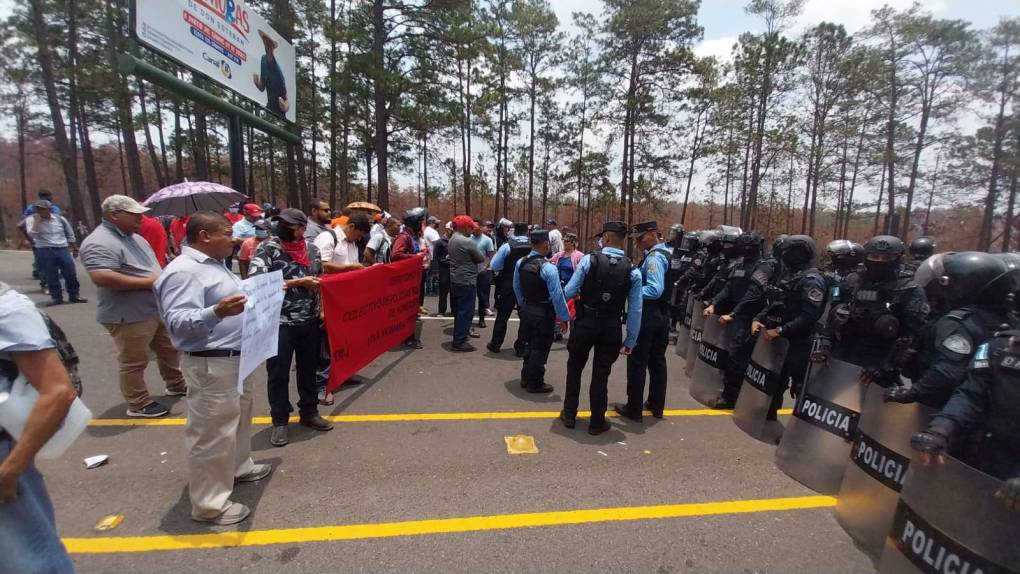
(260, 335)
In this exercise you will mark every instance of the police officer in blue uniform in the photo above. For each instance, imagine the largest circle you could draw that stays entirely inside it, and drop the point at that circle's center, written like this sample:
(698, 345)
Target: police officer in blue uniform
(793, 306)
(540, 302)
(609, 286)
(980, 424)
(736, 313)
(649, 355)
(503, 264)
(968, 294)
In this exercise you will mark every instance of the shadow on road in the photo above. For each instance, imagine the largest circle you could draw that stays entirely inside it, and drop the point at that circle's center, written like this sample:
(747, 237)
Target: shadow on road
(513, 387)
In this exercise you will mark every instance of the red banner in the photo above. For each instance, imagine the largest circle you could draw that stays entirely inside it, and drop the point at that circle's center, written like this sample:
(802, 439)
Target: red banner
(368, 312)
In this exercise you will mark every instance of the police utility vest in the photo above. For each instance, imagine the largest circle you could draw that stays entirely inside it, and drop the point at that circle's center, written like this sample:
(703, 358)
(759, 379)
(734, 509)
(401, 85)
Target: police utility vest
(505, 282)
(535, 290)
(786, 298)
(874, 313)
(606, 285)
(1002, 422)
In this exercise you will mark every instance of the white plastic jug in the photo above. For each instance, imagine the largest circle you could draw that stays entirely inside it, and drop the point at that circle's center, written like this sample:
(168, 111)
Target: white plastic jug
(16, 404)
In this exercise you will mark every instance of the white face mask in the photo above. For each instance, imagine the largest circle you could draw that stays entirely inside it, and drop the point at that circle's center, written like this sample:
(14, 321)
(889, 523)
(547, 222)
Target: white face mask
(599, 243)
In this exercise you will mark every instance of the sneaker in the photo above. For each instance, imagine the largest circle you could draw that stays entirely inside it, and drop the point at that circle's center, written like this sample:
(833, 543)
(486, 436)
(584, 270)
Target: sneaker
(78, 300)
(149, 411)
(481, 323)
(473, 334)
(423, 311)
(52, 303)
(258, 472)
(235, 513)
(490, 313)
(413, 344)
(280, 436)
(325, 398)
(177, 392)
(317, 422)
(464, 348)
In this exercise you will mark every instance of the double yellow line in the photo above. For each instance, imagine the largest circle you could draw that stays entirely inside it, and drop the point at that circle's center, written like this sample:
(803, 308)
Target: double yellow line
(440, 526)
(414, 417)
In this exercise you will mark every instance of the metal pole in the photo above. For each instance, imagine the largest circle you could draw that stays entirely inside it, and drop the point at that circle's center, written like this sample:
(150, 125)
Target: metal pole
(235, 135)
(130, 64)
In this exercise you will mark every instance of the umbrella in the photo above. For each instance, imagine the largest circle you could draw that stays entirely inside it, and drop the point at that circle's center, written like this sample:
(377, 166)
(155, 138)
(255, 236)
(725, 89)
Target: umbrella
(191, 197)
(366, 206)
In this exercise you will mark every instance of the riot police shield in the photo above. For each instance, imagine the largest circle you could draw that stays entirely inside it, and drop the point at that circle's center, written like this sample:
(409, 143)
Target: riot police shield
(683, 339)
(815, 447)
(948, 520)
(880, 455)
(761, 382)
(707, 377)
(697, 328)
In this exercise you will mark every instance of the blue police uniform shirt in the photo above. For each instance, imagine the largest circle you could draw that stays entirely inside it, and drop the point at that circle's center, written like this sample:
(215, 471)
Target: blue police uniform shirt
(653, 271)
(633, 296)
(551, 277)
(499, 259)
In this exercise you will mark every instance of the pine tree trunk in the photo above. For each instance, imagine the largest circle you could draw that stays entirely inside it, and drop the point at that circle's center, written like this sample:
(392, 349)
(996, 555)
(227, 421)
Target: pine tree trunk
(333, 124)
(153, 158)
(381, 97)
(159, 130)
(531, 153)
(89, 160)
(178, 144)
(293, 192)
(200, 137)
(21, 125)
(985, 236)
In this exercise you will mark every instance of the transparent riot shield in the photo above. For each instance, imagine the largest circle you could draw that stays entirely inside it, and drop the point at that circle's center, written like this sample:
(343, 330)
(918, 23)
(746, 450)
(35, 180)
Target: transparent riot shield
(697, 328)
(880, 456)
(683, 339)
(761, 382)
(816, 443)
(707, 376)
(948, 520)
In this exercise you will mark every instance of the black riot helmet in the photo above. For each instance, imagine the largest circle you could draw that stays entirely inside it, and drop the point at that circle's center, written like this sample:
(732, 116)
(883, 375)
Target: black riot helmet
(882, 255)
(413, 218)
(952, 280)
(728, 237)
(845, 256)
(778, 243)
(675, 236)
(922, 248)
(749, 244)
(712, 241)
(798, 251)
(691, 241)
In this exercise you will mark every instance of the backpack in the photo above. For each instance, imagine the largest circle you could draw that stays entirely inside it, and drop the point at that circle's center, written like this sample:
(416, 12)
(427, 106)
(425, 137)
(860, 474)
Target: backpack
(68, 356)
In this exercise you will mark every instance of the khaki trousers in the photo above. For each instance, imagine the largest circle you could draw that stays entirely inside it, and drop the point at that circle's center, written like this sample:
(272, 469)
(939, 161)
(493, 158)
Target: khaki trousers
(133, 342)
(217, 435)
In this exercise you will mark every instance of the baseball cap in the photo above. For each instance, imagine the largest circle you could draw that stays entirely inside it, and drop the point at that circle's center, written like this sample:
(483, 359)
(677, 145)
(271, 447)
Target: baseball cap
(263, 224)
(123, 203)
(464, 221)
(43, 204)
(292, 216)
(252, 209)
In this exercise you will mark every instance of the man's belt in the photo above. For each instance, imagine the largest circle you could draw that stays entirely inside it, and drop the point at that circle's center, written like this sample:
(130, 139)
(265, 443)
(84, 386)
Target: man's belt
(210, 353)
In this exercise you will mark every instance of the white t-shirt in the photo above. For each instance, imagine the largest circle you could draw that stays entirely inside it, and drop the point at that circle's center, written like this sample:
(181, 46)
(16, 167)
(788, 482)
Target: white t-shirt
(377, 229)
(431, 236)
(343, 252)
(380, 246)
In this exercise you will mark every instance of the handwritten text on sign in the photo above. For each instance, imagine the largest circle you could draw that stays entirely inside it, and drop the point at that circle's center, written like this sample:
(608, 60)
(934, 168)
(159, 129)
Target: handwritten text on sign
(260, 334)
(369, 312)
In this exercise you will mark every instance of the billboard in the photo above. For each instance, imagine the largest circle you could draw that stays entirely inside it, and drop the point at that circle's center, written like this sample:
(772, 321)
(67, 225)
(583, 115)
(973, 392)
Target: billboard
(226, 41)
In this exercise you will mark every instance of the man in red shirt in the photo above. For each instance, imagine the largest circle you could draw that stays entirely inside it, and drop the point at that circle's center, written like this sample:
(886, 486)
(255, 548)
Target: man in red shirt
(152, 230)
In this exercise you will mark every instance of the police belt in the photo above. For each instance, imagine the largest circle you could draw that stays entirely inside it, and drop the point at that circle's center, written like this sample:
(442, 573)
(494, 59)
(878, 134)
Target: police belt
(655, 304)
(596, 313)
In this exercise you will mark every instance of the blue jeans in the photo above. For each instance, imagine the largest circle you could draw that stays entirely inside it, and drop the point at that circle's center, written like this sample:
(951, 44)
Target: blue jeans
(484, 288)
(464, 310)
(28, 532)
(54, 262)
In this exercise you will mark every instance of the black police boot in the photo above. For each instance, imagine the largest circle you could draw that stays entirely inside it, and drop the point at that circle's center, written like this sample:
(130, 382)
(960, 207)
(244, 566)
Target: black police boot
(543, 388)
(657, 413)
(599, 428)
(621, 409)
(569, 421)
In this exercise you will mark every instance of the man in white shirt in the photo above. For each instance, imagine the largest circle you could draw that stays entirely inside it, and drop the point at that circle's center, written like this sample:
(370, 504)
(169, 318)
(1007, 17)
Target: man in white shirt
(555, 236)
(378, 250)
(338, 247)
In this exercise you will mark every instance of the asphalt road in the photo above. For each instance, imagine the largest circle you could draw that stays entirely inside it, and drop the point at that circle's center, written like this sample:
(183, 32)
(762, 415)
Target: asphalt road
(688, 493)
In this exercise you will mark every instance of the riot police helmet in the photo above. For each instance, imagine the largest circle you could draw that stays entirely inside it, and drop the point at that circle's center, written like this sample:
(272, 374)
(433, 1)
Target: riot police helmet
(675, 236)
(798, 251)
(922, 248)
(728, 233)
(882, 255)
(778, 243)
(952, 280)
(691, 241)
(844, 255)
(748, 244)
(858, 253)
(712, 240)
(413, 218)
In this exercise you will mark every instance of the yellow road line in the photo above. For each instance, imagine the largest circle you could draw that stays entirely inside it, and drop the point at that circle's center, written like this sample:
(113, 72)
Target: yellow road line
(440, 526)
(412, 417)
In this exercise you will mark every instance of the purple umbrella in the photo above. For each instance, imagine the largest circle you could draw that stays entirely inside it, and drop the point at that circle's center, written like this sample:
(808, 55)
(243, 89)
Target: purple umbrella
(191, 197)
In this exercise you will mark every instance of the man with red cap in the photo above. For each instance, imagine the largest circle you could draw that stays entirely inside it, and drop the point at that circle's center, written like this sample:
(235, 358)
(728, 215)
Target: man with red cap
(244, 228)
(465, 257)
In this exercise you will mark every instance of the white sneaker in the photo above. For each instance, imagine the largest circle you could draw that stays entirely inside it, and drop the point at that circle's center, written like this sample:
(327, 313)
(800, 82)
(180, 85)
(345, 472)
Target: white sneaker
(235, 513)
(258, 472)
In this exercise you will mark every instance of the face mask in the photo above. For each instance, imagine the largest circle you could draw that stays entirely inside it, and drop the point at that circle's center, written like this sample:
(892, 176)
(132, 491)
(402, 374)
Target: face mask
(880, 270)
(599, 243)
(261, 234)
(286, 234)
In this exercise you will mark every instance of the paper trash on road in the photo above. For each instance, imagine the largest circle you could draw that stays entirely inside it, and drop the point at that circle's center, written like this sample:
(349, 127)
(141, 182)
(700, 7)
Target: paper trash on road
(520, 444)
(96, 461)
(109, 522)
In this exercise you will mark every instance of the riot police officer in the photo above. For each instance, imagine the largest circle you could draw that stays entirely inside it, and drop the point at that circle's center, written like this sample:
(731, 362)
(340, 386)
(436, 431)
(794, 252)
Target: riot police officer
(728, 250)
(881, 316)
(921, 248)
(747, 251)
(705, 264)
(608, 284)
(968, 294)
(540, 302)
(674, 241)
(793, 306)
(503, 264)
(845, 257)
(649, 354)
(981, 422)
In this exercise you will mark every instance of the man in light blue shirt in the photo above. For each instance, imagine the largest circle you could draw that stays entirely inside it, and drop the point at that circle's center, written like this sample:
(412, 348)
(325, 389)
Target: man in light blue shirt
(608, 283)
(201, 303)
(503, 265)
(55, 247)
(649, 354)
(540, 297)
(484, 283)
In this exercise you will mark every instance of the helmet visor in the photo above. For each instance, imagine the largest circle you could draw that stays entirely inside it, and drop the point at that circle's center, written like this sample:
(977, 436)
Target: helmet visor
(932, 270)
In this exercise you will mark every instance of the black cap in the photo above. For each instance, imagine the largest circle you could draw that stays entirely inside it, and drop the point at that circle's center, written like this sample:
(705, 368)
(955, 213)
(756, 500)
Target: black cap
(644, 227)
(551, 222)
(292, 216)
(262, 224)
(613, 227)
(538, 236)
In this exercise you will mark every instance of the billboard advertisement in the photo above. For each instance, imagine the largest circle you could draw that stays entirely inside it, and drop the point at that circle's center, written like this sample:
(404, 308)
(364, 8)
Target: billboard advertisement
(226, 41)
